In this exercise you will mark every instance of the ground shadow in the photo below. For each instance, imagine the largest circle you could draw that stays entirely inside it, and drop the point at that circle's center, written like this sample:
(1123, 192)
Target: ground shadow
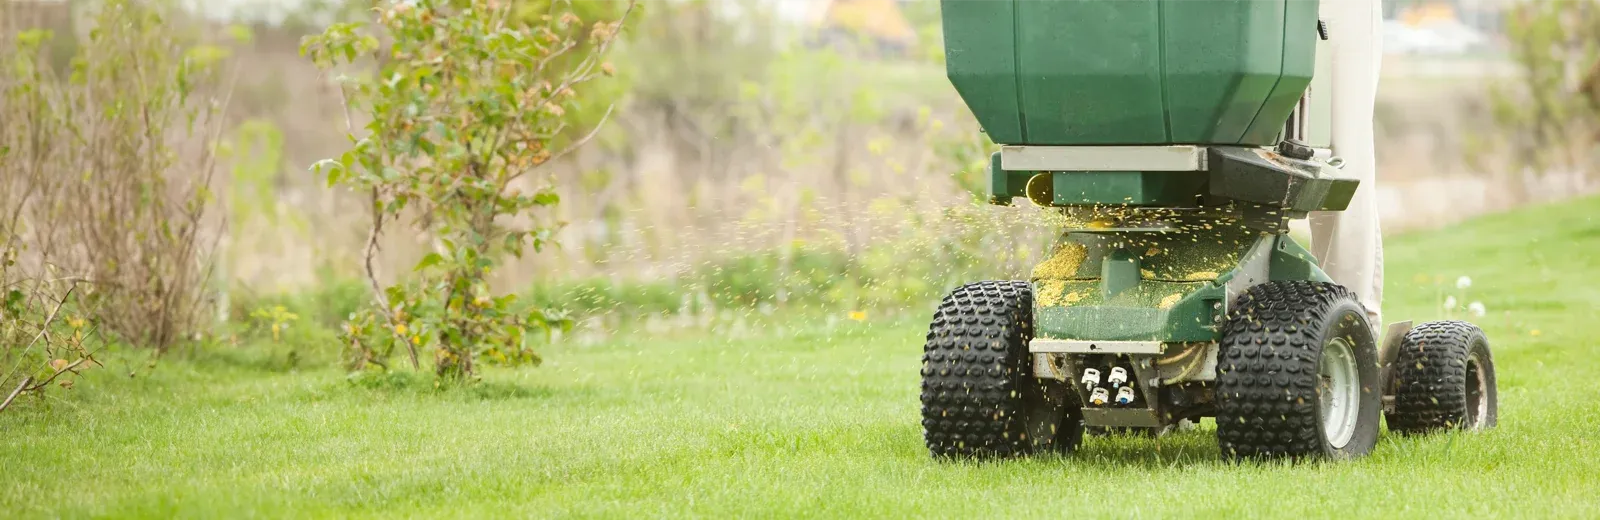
(417, 384)
(1177, 449)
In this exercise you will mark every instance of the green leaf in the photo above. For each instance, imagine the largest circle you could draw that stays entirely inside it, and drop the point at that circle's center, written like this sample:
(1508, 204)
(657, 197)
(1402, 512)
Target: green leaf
(241, 33)
(333, 169)
(13, 301)
(432, 259)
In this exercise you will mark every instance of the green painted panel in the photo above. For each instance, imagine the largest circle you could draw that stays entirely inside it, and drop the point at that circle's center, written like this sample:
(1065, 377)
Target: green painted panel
(1131, 72)
(1131, 188)
(1290, 261)
(1152, 287)
(1004, 185)
(1151, 311)
(1090, 71)
(1223, 58)
(981, 60)
(1088, 288)
(1203, 253)
(1299, 65)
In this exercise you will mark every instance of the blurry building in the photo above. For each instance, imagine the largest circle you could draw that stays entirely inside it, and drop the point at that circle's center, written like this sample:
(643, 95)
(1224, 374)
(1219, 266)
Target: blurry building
(1443, 27)
(877, 26)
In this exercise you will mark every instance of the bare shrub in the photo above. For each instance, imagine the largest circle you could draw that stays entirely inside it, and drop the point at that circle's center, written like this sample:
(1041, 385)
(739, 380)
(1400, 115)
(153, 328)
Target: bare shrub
(111, 162)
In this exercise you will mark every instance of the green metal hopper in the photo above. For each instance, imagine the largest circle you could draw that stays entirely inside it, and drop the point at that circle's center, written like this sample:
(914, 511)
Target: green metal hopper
(1131, 72)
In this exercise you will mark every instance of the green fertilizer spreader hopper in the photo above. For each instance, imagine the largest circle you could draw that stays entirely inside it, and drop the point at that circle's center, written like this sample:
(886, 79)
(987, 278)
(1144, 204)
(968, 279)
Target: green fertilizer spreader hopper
(1178, 139)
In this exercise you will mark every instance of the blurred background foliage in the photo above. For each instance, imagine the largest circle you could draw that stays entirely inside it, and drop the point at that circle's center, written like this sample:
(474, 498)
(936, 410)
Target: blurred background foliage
(794, 156)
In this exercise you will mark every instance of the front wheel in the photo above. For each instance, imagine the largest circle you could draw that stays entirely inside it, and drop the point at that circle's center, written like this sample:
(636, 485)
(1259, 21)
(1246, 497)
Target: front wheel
(1297, 374)
(979, 393)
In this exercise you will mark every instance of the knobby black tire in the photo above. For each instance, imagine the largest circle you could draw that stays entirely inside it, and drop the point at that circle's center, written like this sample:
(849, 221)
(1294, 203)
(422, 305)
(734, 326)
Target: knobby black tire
(1268, 404)
(1436, 380)
(979, 394)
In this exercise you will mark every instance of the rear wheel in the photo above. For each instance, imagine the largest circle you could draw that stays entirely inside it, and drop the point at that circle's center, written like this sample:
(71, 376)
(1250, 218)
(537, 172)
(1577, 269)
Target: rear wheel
(979, 393)
(1444, 379)
(1297, 374)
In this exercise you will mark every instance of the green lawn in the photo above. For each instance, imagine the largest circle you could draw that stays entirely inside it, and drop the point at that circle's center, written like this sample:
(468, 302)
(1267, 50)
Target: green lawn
(806, 422)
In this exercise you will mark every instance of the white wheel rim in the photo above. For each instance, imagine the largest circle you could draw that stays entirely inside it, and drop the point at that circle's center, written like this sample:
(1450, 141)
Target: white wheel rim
(1477, 393)
(1338, 392)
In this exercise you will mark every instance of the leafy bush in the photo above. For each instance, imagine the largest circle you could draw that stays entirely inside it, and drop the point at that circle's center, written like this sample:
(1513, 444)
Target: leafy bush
(468, 99)
(328, 303)
(909, 271)
(46, 332)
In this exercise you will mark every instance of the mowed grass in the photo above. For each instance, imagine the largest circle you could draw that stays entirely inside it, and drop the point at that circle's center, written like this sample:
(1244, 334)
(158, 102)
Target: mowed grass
(807, 421)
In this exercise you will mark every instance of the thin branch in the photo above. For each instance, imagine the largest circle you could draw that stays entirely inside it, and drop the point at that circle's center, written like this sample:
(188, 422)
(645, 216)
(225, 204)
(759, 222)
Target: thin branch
(209, 164)
(58, 373)
(377, 288)
(370, 253)
(44, 329)
(585, 69)
(15, 393)
(575, 144)
(571, 44)
(344, 101)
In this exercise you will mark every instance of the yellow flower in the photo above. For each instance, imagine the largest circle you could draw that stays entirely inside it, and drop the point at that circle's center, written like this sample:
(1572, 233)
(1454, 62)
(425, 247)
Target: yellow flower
(400, 328)
(858, 315)
(1534, 332)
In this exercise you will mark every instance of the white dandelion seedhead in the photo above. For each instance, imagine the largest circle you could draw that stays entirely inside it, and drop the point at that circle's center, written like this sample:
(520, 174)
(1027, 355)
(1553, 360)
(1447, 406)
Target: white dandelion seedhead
(1449, 302)
(1463, 282)
(1477, 309)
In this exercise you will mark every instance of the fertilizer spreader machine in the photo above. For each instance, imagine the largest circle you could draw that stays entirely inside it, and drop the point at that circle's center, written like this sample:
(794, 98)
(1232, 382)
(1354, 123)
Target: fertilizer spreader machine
(1178, 140)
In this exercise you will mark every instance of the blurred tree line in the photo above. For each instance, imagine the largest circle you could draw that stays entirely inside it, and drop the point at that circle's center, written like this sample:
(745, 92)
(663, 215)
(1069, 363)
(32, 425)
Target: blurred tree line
(1548, 118)
(740, 168)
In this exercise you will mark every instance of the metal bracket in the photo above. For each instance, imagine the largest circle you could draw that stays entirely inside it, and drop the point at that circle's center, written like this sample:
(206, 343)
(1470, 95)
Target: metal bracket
(1392, 337)
(1044, 367)
(1122, 417)
(1178, 158)
(1388, 353)
(1068, 346)
(1254, 268)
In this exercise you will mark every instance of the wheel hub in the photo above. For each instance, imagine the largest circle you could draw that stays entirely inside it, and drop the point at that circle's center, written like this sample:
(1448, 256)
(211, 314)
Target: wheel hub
(1338, 392)
(1477, 398)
